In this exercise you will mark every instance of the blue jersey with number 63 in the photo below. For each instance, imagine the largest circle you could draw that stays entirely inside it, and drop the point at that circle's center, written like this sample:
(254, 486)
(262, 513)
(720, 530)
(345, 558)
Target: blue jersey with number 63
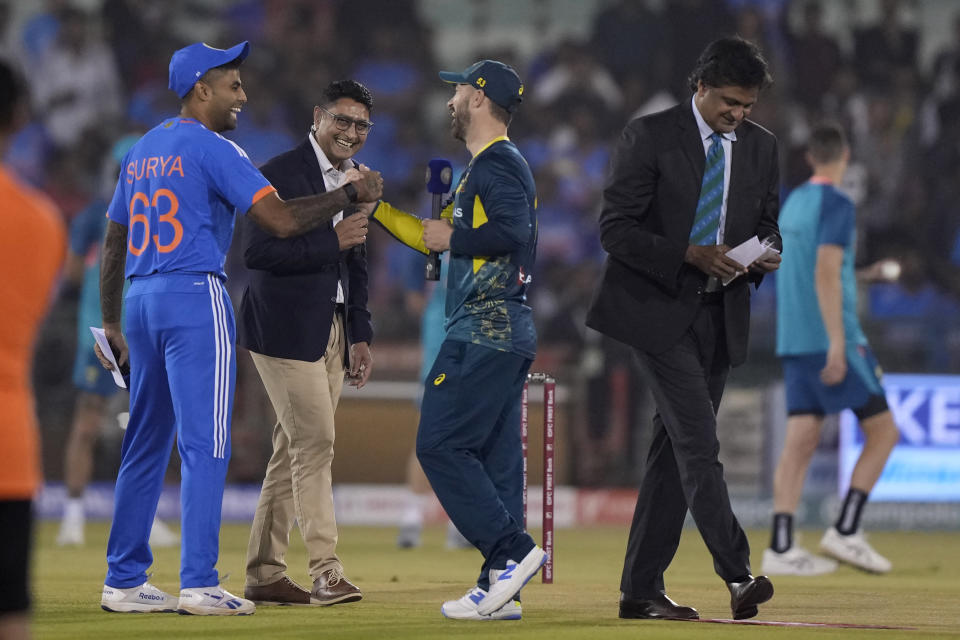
(179, 188)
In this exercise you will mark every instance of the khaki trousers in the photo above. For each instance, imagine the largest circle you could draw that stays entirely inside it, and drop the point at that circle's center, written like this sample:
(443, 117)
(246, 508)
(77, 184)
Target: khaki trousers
(298, 484)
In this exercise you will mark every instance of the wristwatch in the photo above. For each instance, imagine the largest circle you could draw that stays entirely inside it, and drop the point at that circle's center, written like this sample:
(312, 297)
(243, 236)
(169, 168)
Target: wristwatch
(351, 191)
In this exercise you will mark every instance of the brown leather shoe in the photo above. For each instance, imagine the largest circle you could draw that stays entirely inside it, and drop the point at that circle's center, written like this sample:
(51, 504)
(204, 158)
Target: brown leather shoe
(332, 587)
(283, 592)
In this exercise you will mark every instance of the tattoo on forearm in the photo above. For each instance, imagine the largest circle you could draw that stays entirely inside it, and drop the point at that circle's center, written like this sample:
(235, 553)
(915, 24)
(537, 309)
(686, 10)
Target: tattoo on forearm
(111, 272)
(311, 211)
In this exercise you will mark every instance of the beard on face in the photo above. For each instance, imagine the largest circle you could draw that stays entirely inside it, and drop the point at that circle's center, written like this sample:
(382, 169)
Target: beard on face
(229, 121)
(458, 127)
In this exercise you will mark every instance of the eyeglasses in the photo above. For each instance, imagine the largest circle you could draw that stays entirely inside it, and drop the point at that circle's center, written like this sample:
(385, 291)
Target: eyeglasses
(342, 123)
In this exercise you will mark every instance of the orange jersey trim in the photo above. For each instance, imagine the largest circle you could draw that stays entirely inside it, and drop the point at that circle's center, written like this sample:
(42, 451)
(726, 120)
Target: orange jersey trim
(263, 192)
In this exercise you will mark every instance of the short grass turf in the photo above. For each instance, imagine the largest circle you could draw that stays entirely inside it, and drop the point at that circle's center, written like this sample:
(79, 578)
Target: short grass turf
(403, 591)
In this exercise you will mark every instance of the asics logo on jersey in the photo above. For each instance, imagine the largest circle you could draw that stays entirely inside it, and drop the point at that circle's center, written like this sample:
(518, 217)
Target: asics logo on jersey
(439, 379)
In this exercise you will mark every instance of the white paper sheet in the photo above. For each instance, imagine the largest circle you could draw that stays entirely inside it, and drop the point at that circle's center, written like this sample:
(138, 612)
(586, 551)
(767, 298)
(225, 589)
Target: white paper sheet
(101, 338)
(746, 253)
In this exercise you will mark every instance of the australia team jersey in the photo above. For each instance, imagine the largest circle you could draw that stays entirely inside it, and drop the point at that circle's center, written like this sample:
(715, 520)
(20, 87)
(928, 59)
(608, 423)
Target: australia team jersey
(492, 251)
(814, 214)
(178, 190)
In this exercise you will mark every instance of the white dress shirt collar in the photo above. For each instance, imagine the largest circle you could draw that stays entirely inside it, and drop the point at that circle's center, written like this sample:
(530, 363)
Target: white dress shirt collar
(325, 165)
(705, 130)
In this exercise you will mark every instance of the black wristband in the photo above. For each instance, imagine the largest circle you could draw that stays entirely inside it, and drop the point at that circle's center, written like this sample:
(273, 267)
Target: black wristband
(351, 191)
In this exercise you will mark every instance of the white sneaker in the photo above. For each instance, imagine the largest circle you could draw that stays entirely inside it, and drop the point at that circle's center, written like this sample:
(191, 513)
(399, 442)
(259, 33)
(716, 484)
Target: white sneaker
(71, 527)
(71, 534)
(506, 583)
(466, 608)
(213, 601)
(795, 561)
(162, 536)
(143, 599)
(854, 550)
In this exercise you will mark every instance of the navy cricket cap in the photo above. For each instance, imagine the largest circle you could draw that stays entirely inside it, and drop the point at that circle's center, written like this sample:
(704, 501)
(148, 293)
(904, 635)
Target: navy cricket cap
(189, 63)
(499, 81)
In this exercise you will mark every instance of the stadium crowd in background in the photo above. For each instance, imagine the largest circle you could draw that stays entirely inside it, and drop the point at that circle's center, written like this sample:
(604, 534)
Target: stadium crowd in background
(859, 63)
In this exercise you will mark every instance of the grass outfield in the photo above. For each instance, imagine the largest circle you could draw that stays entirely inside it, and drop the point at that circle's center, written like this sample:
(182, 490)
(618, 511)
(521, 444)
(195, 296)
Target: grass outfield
(404, 589)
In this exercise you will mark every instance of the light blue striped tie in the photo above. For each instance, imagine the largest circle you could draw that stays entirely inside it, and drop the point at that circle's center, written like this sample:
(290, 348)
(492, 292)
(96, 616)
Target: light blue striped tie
(707, 221)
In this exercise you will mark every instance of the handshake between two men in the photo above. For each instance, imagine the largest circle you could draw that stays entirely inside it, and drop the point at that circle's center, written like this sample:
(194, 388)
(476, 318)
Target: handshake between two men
(352, 230)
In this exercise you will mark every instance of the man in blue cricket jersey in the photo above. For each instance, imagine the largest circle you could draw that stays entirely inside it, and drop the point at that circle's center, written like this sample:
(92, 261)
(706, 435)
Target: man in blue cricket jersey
(468, 440)
(827, 363)
(171, 221)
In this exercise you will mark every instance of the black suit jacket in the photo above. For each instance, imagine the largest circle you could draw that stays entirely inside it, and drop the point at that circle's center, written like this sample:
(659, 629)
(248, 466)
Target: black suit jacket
(649, 296)
(287, 307)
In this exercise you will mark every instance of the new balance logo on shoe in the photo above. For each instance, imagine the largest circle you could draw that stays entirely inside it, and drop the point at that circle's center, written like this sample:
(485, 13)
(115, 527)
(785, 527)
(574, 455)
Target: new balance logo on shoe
(466, 608)
(506, 583)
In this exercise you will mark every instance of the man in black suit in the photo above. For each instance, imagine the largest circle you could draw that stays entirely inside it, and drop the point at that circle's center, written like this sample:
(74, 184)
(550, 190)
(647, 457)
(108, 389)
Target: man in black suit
(305, 303)
(684, 186)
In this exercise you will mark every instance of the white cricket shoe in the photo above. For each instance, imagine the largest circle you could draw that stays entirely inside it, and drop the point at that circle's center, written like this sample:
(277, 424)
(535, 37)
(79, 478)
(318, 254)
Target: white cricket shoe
(466, 608)
(854, 550)
(71, 534)
(162, 536)
(213, 601)
(506, 583)
(143, 599)
(796, 561)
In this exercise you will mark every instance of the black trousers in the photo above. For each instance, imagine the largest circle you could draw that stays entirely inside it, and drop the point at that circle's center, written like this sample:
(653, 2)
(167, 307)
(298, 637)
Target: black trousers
(16, 533)
(683, 470)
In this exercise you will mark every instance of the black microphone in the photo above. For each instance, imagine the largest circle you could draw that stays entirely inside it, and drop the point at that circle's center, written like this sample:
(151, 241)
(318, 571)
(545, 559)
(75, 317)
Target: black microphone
(439, 177)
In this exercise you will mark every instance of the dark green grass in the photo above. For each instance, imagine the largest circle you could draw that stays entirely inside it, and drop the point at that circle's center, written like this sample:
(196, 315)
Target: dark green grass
(404, 590)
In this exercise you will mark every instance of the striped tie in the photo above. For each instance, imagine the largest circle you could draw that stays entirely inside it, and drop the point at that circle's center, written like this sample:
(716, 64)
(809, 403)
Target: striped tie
(707, 221)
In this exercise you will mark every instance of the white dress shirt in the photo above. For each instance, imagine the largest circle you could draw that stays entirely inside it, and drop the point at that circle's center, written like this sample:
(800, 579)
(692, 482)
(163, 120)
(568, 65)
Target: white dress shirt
(333, 178)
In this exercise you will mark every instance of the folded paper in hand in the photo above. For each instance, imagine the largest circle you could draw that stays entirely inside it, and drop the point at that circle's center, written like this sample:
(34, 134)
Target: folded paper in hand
(101, 337)
(746, 253)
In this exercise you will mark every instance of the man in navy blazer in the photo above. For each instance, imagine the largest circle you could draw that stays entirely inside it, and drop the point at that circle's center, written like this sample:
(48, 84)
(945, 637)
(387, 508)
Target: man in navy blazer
(685, 185)
(304, 319)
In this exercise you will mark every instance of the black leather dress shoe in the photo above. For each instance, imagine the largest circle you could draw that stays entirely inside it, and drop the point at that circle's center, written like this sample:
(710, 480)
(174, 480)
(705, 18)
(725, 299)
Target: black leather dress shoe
(660, 607)
(746, 595)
